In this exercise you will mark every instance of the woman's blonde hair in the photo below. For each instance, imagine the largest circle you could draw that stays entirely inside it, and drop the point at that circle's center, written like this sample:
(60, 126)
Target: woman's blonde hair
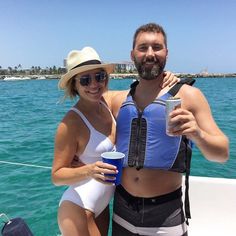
(70, 89)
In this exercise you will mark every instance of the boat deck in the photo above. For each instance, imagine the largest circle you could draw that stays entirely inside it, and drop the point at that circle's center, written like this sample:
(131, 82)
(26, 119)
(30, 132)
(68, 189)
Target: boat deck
(213, 206)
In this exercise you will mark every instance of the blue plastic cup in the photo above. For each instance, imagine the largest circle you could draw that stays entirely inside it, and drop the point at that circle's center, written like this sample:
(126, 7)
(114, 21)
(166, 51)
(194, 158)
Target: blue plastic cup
(116, 159)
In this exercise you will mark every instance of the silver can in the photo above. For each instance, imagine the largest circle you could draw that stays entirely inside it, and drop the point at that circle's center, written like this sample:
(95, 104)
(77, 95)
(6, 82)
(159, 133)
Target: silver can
(171, 104)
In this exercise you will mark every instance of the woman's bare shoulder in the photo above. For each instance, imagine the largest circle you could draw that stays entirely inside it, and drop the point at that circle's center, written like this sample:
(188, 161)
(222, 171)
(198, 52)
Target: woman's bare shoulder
(71, 122)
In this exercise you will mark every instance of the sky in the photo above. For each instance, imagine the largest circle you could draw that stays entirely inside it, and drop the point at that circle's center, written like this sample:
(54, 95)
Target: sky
(201, 34)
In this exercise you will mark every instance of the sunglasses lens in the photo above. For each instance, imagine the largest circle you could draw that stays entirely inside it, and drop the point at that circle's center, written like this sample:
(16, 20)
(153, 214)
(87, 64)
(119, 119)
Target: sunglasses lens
(101, 76)
(85, 80)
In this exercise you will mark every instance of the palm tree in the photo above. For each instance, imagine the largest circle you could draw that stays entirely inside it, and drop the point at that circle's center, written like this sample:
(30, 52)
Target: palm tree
(10, 70)
(54, 70)
(32, 70)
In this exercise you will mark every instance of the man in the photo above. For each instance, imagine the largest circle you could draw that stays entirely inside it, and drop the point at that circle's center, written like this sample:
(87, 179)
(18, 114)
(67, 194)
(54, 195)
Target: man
(148, 202)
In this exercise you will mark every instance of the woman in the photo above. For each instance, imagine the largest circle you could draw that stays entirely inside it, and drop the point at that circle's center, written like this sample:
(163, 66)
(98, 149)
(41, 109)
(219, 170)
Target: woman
(86, 131)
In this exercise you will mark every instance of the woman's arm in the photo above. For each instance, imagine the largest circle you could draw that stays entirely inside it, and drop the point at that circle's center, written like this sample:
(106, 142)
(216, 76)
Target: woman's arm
(66, 146)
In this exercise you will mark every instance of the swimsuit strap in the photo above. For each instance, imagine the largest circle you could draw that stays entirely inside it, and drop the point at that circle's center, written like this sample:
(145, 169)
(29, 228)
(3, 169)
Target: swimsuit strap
(105, 105)
(83, 117)
(85, 120)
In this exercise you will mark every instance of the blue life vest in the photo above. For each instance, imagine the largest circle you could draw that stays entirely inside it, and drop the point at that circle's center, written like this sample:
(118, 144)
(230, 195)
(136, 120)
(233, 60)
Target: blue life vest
(141, 136)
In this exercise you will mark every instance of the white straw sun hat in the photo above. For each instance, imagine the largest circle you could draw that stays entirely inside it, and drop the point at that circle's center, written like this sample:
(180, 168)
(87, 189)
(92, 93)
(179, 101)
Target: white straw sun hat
(80, 61)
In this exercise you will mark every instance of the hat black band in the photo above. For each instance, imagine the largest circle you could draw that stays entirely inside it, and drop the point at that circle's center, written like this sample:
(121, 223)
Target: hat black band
(91, 62)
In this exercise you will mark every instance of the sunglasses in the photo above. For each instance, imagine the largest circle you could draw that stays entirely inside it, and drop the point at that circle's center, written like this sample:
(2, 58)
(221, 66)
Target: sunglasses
(86, 80)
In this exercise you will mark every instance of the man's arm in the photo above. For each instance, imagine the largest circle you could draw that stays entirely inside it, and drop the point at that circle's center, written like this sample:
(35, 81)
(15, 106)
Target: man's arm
(195, 120)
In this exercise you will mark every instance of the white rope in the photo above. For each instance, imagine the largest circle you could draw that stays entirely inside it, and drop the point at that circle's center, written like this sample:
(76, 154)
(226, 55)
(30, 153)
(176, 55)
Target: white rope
(6, 217)
(24, 164)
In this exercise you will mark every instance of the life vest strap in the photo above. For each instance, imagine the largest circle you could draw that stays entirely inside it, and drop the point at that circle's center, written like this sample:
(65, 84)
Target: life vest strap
(175, 89)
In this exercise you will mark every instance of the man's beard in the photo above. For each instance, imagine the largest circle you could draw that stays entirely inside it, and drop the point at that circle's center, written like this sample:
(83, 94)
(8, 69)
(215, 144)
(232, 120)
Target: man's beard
(149, 73)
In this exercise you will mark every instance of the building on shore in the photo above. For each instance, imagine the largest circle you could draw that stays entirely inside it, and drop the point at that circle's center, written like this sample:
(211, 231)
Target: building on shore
(125, 67)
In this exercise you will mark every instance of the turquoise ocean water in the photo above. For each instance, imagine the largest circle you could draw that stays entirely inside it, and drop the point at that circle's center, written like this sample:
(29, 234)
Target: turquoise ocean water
(29, 115)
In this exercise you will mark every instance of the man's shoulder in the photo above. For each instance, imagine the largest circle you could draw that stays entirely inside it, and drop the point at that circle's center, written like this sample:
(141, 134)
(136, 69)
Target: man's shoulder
(119, 97)
(192, 97)
(116, 100)
(190, 91)
(117, 94)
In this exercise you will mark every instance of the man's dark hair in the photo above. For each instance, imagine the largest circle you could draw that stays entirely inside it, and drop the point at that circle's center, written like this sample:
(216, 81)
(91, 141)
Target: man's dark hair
(150, 27)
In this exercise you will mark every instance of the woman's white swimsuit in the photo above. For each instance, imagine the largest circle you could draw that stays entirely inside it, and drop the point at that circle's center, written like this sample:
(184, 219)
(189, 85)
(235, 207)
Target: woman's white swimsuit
(91, 194)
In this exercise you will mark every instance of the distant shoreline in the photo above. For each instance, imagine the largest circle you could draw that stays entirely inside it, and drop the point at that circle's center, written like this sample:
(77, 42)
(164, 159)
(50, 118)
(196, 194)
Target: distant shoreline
(180, 75)
(128, 75)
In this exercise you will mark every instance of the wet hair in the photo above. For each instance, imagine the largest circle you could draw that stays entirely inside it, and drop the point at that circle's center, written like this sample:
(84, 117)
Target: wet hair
(150, 27)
